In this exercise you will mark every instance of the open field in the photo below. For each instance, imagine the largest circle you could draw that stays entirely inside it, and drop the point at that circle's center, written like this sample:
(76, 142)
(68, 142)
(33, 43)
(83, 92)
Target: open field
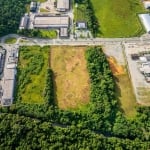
(70, 76)
(118, 18)
(79, 13)
(47, 33)
(33, 63)
(10, 40)
(125, 95)
(124, 91)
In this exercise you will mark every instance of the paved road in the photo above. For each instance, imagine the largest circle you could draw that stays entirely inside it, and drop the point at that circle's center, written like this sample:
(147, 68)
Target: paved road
(92, 41)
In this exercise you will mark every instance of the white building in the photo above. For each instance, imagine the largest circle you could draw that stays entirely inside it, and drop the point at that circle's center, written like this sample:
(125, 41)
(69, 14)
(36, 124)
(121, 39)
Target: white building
(8, 84)
(63, 32)
(145, 19)
(51, 22)
(63, 5)
(24, 22)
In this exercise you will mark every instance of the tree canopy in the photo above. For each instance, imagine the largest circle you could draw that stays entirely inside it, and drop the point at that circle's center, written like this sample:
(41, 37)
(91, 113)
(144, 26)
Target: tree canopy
(11, 13)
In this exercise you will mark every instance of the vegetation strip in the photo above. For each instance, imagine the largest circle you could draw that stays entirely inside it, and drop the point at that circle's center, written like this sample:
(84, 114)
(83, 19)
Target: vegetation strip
(103, 117)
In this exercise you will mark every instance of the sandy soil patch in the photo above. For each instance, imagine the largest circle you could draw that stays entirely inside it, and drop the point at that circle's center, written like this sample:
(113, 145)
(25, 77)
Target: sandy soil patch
(70, 76)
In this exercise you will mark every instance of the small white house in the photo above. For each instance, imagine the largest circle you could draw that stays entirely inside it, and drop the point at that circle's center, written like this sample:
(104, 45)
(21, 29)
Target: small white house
(145, 19)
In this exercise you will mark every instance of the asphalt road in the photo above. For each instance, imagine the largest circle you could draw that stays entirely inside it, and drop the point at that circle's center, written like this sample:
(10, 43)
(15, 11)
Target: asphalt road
(92, 41)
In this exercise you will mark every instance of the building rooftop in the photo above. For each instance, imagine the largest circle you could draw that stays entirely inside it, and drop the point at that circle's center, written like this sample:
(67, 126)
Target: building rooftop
(64, 32)
(81, 25)
(24, 22)
(145, 19)
(8, 89)
(63, 4)
(51, 21)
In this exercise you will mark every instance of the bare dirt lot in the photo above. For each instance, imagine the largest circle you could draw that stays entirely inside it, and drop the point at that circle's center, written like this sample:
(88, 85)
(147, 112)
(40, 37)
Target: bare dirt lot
(70, 76)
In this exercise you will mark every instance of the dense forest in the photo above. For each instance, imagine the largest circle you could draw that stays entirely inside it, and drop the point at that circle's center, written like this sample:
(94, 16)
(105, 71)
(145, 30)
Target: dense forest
(11, 12)
(103, 126)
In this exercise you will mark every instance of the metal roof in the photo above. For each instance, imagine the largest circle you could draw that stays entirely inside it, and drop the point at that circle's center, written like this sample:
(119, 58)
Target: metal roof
(64, 32)
(62, 4)
(51, 21)
(145, 18)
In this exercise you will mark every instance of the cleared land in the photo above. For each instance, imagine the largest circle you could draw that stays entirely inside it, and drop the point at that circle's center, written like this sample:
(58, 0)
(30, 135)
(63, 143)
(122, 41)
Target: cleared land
(70, 76)
(33, 63)
(124, 91)
(118, 18)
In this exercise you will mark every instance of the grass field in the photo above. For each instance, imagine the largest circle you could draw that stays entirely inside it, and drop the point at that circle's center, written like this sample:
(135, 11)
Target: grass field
(43, 10)
(70, 76)
(125, 95)
(117, 18)
(33, 62)
(10, 40)
(79, 13)
(48, 33)
(124, 92)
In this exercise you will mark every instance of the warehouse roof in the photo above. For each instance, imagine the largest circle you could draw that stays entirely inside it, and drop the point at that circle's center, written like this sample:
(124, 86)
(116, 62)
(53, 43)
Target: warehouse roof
(62, 4)
(51, 21)
(24, 22)
(145, 18)
(63, 32)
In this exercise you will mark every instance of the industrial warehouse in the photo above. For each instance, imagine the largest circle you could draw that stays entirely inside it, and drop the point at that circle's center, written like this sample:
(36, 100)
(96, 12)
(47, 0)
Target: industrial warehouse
(51, 22)
(39, 20)
(8, 63)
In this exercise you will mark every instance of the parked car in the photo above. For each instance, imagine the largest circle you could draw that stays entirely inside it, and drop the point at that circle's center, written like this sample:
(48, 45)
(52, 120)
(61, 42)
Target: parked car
(134, 56)
(147, 76)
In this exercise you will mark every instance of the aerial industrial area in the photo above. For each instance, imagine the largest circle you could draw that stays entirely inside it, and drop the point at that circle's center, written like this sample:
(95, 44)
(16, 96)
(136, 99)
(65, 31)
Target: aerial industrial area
(60, 17)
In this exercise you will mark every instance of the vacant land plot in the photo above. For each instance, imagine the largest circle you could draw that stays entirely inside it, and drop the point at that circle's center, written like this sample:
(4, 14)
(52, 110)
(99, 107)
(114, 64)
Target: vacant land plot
(70, 76)
(118, 18)
(124, 91)
(33, 63)
(125, 94)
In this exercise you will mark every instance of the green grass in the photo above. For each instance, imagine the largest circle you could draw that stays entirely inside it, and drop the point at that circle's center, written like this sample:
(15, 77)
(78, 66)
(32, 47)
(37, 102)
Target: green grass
(10, 40)
(33, 63)
(79, 13)
(43, 10)
(125, 95)
(48, 33)
(71, 76)
(118, 18)
(27, 8)
(41, 1)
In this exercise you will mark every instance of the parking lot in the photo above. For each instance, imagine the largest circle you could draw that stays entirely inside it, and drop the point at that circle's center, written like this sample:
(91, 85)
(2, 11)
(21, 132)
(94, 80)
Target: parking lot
(134, 53)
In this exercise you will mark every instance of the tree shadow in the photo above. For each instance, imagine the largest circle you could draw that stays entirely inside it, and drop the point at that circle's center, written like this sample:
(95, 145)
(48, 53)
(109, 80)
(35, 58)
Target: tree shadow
(118, 94)
(55, 89)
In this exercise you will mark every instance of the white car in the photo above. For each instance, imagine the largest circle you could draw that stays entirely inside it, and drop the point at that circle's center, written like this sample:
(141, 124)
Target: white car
(144, 66)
